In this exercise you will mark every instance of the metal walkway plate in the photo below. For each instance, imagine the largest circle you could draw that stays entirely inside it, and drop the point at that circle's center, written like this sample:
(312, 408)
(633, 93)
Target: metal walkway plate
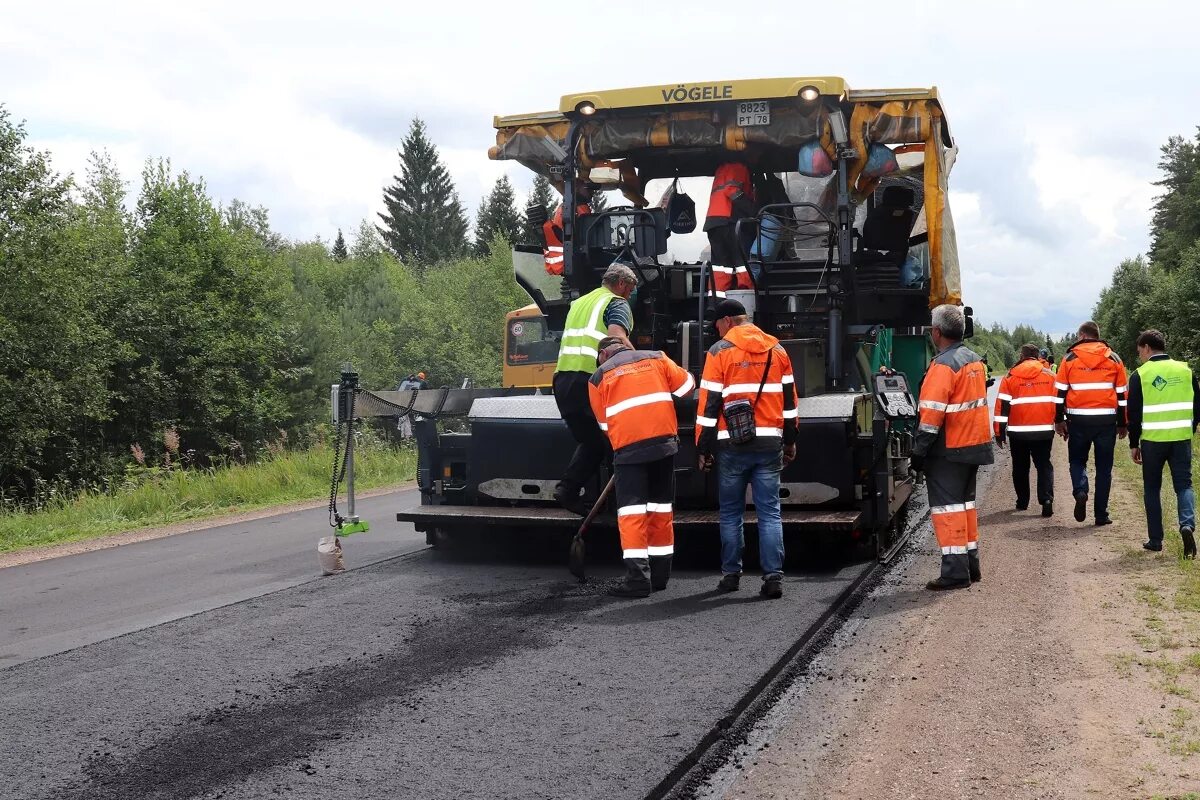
(547, 517)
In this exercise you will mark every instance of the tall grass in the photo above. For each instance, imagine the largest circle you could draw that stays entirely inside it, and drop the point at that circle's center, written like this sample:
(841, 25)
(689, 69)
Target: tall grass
(161, 497)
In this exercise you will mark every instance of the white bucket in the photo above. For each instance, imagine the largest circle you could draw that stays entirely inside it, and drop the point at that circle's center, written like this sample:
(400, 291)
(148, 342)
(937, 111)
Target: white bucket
(744, 296)
(329, 555)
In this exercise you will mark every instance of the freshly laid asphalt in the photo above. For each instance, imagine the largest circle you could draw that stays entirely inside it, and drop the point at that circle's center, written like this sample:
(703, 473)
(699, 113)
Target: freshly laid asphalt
(54, 605)
(430, 674)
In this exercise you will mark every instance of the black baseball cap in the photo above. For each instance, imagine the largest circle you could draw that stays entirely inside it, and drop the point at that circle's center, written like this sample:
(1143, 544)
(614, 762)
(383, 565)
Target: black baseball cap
(729, 308)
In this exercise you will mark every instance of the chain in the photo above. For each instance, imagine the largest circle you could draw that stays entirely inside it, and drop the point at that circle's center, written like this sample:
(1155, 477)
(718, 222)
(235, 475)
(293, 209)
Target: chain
(336, 519)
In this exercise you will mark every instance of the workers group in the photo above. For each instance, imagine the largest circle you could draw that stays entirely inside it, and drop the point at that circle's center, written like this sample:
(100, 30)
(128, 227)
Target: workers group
(1091, 402)
(745, 427)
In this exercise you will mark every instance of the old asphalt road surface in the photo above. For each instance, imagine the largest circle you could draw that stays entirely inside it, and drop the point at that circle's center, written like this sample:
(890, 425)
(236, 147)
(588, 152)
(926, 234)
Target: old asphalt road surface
(50, 606)
(469, 674)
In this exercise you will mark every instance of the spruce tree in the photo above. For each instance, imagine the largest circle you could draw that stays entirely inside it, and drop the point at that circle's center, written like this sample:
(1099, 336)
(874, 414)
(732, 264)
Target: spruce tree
(599, 202)
(425, 221)
(497, 215)
(542, 197)
(339, 252)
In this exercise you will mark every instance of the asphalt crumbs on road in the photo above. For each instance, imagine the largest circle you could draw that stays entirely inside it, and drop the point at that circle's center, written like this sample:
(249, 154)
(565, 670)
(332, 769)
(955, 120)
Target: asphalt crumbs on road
(426, 676)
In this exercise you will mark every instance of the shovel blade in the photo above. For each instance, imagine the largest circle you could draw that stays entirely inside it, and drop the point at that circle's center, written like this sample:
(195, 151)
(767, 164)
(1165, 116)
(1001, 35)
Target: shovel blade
(577, 558)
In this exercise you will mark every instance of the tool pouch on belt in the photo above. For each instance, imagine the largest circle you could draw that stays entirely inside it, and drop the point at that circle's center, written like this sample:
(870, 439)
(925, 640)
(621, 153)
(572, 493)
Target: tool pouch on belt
(739, 414)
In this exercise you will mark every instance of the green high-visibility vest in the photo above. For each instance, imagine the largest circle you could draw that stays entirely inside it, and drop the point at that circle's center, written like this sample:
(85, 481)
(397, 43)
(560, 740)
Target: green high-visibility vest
(1166, 400)
(584, 329)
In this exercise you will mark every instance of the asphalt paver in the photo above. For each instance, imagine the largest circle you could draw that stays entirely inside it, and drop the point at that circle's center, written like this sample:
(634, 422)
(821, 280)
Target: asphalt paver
(430, 675)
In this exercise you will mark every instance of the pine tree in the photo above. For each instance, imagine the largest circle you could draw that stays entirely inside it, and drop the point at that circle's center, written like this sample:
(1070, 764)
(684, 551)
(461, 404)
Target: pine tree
(541, 199)
(599, 202)
(497, 215)
(425, 221)
(339, 252)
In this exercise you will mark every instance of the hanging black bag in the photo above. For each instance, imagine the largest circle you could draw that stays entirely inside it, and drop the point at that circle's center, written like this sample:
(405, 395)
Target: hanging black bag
(739, 414)
(681, 211)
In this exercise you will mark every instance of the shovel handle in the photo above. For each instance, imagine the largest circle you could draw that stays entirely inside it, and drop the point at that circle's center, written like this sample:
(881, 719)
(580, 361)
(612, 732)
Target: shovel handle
(596, 507)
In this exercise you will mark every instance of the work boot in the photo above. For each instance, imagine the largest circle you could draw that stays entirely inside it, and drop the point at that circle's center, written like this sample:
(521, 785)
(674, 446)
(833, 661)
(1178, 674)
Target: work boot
(1048, 509)
(1189, 541)
(942, 584)
(1153, 547)
(1022, 506)
(1104, 520)
(1081, 507)
(660, 572)
(568, 497)
(637, 579)
(772, 587)
(730, 583)
(973, 566)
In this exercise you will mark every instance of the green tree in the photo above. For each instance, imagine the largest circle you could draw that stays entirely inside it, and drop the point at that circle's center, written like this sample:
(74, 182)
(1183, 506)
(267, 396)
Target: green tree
(1175, 226)
(339, 252)
(53, 349)
(498, 216)
(599, 202)
(424, 221)
(1125, 308)
(540, 205)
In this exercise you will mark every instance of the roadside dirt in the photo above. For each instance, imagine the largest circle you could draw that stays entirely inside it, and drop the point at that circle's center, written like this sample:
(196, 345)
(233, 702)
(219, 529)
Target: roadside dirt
(1071, 671)
(17, 558)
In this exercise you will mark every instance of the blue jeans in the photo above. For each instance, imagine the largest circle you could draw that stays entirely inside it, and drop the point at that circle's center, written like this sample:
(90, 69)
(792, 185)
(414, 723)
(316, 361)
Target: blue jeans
(1081, 438)
(760, 470)
(1177, 456)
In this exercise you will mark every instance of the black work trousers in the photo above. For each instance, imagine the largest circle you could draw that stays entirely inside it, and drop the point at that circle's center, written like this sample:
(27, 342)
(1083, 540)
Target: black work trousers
(1037, 451)
(591, 445)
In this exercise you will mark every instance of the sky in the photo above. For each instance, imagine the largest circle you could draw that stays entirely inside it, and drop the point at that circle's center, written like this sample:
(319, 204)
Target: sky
(1059, 109)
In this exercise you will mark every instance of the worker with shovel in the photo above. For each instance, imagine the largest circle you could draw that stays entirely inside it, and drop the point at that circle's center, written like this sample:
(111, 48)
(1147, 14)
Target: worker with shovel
(633, 396)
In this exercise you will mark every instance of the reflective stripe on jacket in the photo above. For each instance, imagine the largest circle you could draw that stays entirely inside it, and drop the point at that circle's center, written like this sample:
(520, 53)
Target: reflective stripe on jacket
(1167, 400)
(1026, 402)
(1091, 380)
(584, 329)
(552, 230)
(733, 369)
(731, 191)
(954, 414)
(633, 397)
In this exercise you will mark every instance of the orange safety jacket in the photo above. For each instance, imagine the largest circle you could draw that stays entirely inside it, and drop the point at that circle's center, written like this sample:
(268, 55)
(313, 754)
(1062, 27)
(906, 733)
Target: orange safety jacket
(1026, 402)
(731, 191)
(1091, 382)
(633, 397)
(552, 229)
(733, 370)
(954, 413)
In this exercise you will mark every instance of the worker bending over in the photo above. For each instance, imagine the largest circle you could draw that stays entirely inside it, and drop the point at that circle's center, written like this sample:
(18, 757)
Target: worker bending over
(1025, 410)
(1164, 408)
(633, 396)
(953, 440)
(746, 414)
(1091, 382)
(602, 312)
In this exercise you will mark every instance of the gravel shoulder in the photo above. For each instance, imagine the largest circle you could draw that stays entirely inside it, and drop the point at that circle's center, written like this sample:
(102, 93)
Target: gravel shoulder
(1071, 671)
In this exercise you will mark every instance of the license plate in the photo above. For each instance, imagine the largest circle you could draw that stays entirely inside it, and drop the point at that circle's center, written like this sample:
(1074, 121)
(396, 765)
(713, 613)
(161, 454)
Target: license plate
(755, 112)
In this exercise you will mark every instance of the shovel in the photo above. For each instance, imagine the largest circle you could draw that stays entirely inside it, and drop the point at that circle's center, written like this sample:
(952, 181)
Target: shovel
(578, 555)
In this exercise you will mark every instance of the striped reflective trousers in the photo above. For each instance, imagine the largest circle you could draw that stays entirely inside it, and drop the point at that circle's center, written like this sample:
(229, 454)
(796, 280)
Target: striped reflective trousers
(952, 509)
(645, 518)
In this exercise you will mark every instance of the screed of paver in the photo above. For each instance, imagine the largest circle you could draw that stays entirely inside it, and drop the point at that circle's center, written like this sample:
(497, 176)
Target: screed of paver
(1005, 690)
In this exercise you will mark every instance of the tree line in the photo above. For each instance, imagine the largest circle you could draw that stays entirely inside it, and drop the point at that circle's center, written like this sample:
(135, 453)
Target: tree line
(185, 320)
(1162, 288)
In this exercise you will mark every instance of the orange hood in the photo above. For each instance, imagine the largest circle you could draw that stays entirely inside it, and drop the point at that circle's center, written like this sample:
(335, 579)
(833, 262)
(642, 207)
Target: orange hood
(749, 338)
(1029, 368)
(1091, 353)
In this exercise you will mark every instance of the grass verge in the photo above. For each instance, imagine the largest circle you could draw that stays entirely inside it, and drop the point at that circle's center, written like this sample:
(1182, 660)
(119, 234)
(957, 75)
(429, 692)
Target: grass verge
(162, 498)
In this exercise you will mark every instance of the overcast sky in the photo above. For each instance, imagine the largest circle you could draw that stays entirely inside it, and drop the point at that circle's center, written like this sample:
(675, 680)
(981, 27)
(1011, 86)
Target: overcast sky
(1058, 108)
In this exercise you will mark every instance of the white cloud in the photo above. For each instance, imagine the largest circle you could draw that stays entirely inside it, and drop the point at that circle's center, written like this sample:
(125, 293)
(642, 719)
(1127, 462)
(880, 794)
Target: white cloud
(300, 106)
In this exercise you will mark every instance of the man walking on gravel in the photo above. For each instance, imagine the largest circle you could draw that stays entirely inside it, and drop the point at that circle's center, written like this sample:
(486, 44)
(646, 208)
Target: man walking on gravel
(1024, 416)
(953, 440)
(633, 397)
(1091, 383)
(1164, 407)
